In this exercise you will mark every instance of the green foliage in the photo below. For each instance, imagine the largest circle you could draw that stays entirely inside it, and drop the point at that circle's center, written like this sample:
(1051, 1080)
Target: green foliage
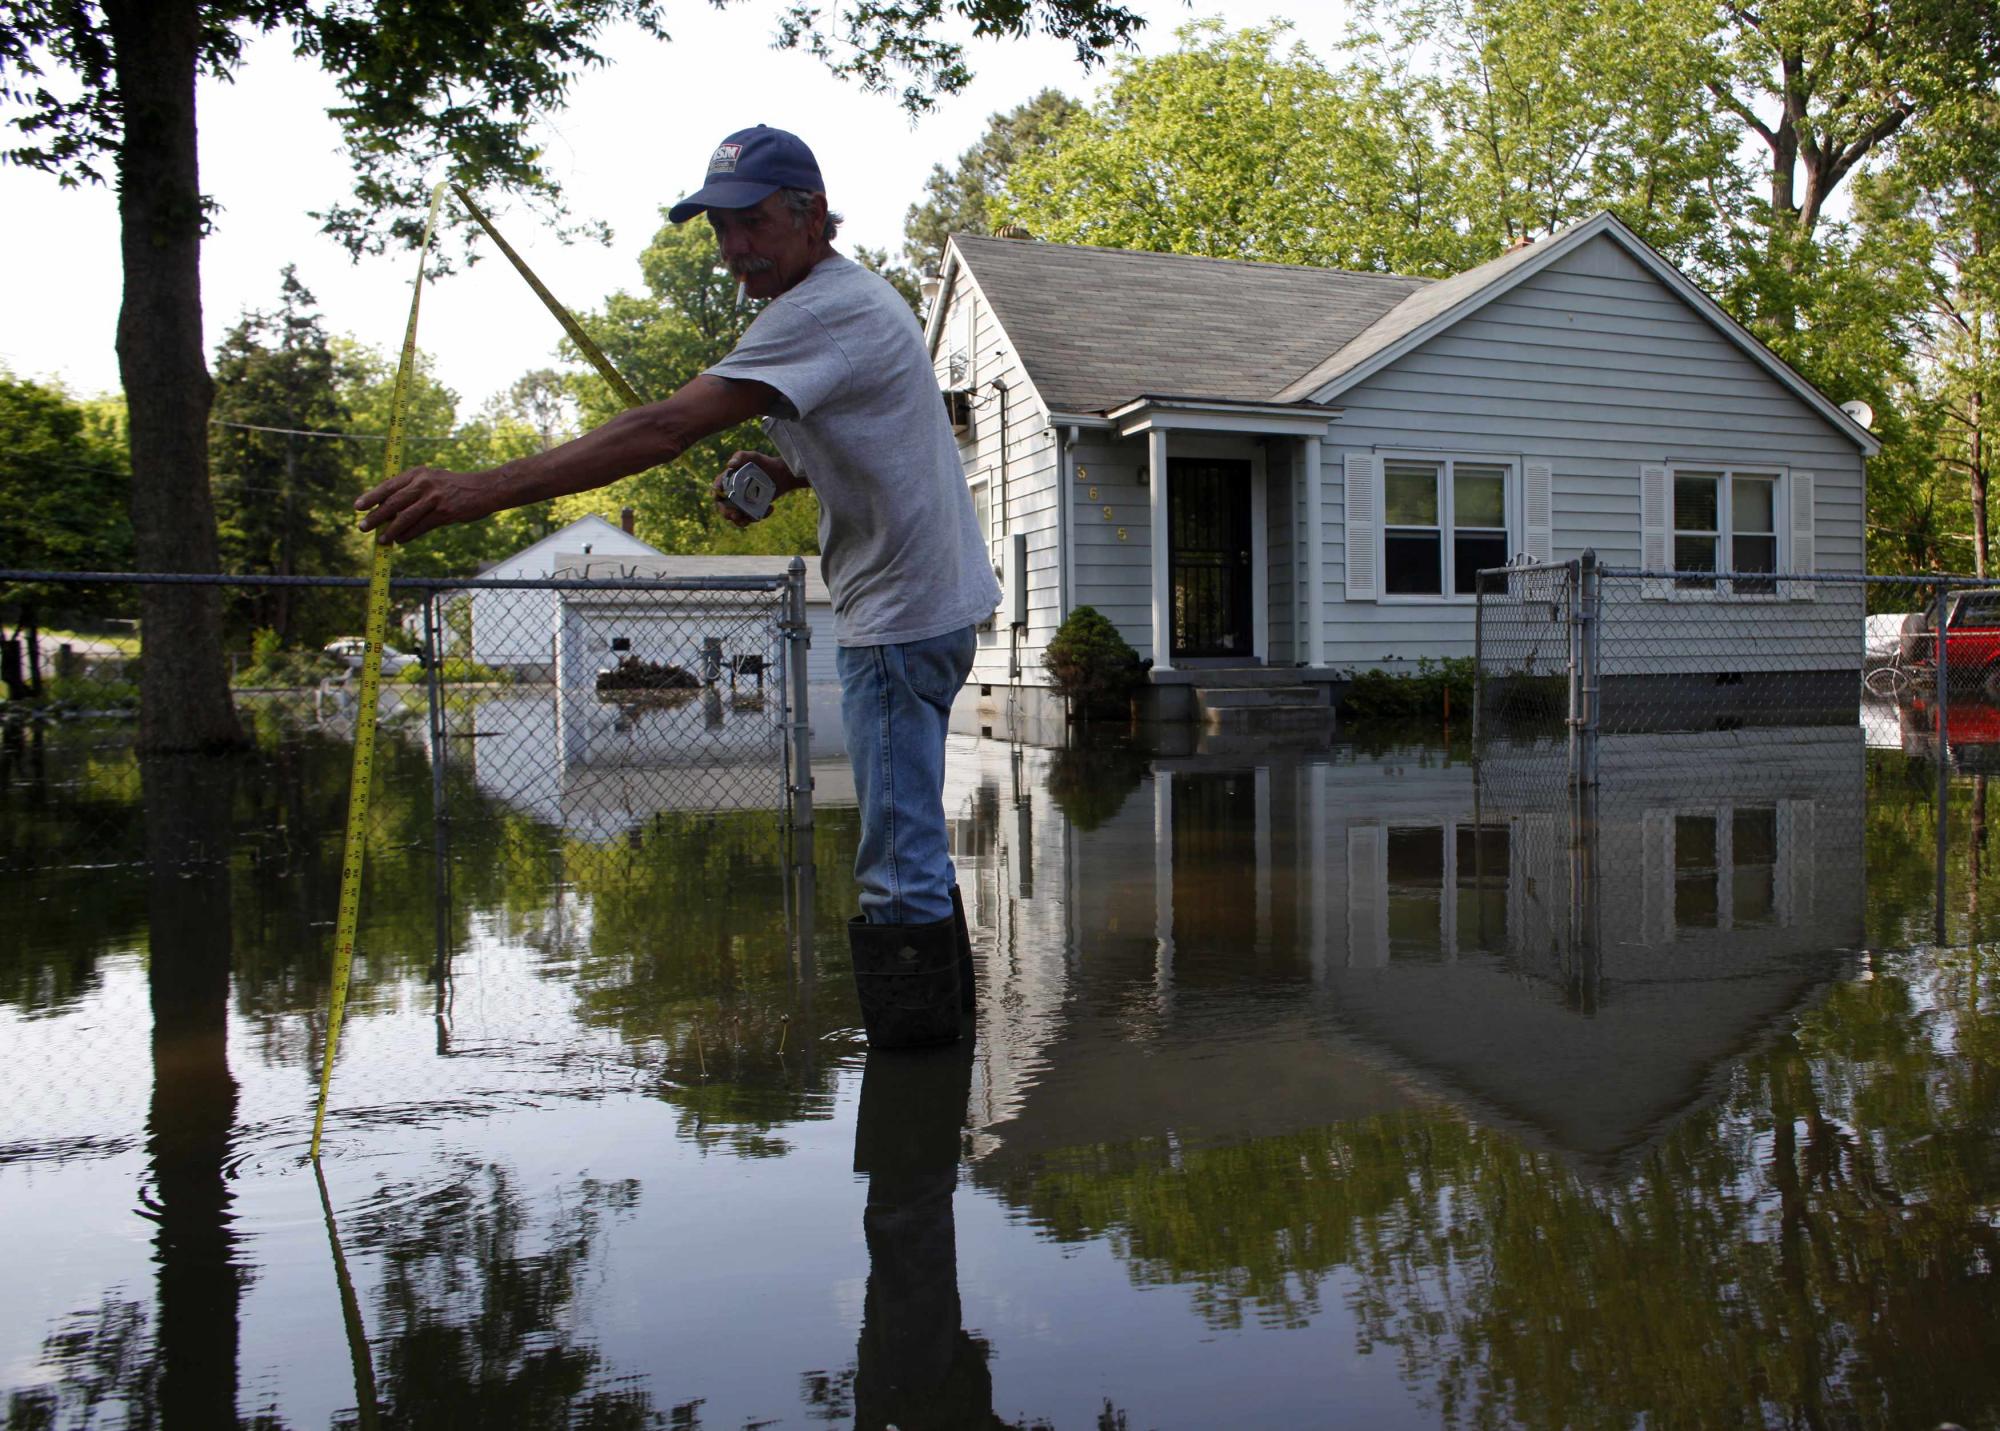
(274, 666)
(456, 671)
(534, 412)
(960, 199)
(1404, 695)
(686, 321)
(283, 500)
(1091, 783)
(1091, 666)
(63, 486)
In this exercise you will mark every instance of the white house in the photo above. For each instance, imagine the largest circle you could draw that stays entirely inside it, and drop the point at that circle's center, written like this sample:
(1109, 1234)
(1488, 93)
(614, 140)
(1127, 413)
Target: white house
(1254, 467)
(515, 630)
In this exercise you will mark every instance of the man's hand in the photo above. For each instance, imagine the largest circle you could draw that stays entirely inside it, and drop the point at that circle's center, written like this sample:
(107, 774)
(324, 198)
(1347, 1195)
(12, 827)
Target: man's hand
(423, 499)
(779, 472)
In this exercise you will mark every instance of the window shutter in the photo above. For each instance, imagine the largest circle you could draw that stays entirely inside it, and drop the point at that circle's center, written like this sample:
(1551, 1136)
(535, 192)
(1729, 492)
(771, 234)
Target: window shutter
(1364, 486)
(1367, 898)
(1804, 558)
(1538, 480)
(1653, 519)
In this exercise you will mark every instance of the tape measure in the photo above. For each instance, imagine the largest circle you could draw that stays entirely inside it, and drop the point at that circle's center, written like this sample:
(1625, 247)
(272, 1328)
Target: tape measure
(377, 629)
(376, 633)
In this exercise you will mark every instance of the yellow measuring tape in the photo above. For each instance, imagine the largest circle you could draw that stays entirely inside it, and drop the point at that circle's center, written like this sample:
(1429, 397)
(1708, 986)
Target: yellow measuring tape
(376, 633)
(377, 629)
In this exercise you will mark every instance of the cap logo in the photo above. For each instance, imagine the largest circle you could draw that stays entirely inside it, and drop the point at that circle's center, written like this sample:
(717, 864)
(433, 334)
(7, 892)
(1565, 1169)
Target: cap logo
(723, 161)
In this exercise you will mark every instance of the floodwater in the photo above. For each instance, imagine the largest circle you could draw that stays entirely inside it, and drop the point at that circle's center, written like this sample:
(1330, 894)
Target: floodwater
(1309, 1090)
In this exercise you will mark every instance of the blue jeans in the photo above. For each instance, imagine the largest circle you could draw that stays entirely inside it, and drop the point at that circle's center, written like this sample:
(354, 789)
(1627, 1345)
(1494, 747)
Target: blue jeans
(895, 702)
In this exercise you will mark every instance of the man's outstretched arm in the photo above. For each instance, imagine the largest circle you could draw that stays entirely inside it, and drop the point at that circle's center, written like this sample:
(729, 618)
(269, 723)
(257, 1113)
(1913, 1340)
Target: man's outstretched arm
(425, 498)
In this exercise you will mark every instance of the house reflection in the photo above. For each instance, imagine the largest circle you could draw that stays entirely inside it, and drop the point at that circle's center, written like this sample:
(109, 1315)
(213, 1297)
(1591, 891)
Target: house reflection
(1257, 948)
(596, 767)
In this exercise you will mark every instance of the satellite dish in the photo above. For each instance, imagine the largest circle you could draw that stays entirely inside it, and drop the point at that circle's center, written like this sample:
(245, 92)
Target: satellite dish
(1863, 415)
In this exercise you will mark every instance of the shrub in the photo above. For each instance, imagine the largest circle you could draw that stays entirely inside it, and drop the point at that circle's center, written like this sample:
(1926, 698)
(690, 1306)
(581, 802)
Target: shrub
(1378, 695)
(1092, 666)
(457, 671)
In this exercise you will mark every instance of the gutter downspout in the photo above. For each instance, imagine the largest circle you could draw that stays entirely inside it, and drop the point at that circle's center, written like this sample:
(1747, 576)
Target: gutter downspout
(1065, 518)
(999, 385)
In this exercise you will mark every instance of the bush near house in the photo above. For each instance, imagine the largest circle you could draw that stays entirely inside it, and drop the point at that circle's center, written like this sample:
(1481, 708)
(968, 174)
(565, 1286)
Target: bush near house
(1378, 695)
(1091, 666)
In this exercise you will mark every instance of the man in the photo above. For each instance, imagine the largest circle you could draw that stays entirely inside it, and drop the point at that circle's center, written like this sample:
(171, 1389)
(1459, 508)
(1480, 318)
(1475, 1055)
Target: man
(837, 369)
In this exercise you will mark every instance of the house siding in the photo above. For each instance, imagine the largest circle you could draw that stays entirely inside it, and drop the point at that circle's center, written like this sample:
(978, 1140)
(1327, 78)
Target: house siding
(1021, 500)
(516, 630)
(1596, 366)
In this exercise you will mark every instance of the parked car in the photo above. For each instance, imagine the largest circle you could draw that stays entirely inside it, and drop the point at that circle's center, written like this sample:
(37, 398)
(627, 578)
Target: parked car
(352, 648)
(1972, 641)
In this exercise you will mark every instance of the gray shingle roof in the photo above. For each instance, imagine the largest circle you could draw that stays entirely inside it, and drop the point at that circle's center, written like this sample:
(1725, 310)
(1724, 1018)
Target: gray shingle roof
(1098, 327)
(1405, 318)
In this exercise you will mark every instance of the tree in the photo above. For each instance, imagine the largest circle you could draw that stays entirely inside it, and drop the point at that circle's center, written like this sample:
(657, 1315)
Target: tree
(62, 508)
(282, 491)
(686, 321)
(1939, 203)
(959, 200)
(426, 91)
(1240, 145)
(432, 432)
(1552, 111)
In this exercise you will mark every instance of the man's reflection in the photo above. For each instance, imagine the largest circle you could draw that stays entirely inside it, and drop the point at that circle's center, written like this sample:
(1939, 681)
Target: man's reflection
(916, 1366)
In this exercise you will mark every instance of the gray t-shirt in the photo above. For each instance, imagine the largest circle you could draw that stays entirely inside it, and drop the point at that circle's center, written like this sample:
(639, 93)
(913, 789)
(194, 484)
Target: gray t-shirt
(900, 548)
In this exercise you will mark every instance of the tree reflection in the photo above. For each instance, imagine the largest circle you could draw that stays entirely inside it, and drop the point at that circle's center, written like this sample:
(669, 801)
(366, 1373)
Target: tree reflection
(1817, 1247)
(194, 1096)
(474, 1326)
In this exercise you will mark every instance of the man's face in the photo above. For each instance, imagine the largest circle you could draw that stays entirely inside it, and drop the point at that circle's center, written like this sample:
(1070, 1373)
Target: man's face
(766, 246)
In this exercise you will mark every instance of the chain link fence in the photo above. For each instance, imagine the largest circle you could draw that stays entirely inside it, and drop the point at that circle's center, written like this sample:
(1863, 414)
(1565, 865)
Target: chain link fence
(590, 707)
(1573, 657)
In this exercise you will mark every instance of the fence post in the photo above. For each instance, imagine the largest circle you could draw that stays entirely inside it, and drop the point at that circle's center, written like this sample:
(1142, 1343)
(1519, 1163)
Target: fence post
(1941, 665)
(1573, 663)
(798, 641)
(440, 816)
(1478, 662)
(1590, 583)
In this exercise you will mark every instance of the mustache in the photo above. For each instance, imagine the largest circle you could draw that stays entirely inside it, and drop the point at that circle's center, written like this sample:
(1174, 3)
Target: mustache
(743, 268)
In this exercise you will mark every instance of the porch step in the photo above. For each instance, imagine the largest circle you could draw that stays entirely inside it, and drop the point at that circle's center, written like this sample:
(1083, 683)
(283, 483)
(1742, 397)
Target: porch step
(1262, 710)
(1235, 697)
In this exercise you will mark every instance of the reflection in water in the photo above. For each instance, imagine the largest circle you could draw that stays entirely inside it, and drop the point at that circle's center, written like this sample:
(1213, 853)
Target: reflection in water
(188, 838)
(1282, 1064)
(916, 1367)
(476, 1312)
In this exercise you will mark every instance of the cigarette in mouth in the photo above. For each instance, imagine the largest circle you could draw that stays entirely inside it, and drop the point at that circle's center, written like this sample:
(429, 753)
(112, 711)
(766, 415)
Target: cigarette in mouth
(741, 289)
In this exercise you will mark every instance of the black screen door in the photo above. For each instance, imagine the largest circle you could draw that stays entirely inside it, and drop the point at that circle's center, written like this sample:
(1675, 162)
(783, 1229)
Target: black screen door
(1208, 533)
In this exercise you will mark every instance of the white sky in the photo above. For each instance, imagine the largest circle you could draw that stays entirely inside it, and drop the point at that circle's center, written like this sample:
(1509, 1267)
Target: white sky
(636, 135)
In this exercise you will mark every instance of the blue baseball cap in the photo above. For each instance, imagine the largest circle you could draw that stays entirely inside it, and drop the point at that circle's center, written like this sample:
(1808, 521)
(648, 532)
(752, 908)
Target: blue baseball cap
(749, 166)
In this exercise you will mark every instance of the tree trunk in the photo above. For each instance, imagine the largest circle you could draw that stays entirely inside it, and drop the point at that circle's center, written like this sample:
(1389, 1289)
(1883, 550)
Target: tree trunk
(184, 692)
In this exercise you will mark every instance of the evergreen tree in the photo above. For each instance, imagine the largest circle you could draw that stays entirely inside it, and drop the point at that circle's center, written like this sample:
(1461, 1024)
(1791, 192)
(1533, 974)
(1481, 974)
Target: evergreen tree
(281, 479)
(960, 200)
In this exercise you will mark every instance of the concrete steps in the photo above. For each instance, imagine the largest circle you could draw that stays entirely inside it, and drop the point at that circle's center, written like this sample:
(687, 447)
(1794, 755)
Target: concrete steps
(1262, 709)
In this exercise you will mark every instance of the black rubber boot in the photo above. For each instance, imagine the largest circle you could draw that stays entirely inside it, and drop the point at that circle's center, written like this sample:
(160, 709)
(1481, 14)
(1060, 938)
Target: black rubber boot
(907, 977)
(968, 985)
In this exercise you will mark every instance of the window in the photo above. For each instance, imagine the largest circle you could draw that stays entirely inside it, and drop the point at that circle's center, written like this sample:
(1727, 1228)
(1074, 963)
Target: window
(1441, 522)
(1726, 869)
(1445, 889)
(1725, 520)
(979, 508)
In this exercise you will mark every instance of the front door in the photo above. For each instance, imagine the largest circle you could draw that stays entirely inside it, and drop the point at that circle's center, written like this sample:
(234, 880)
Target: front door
(1208, 551)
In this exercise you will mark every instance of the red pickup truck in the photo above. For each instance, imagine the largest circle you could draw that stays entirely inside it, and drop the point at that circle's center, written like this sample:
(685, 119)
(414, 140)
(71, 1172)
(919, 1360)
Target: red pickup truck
(1972, 641)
